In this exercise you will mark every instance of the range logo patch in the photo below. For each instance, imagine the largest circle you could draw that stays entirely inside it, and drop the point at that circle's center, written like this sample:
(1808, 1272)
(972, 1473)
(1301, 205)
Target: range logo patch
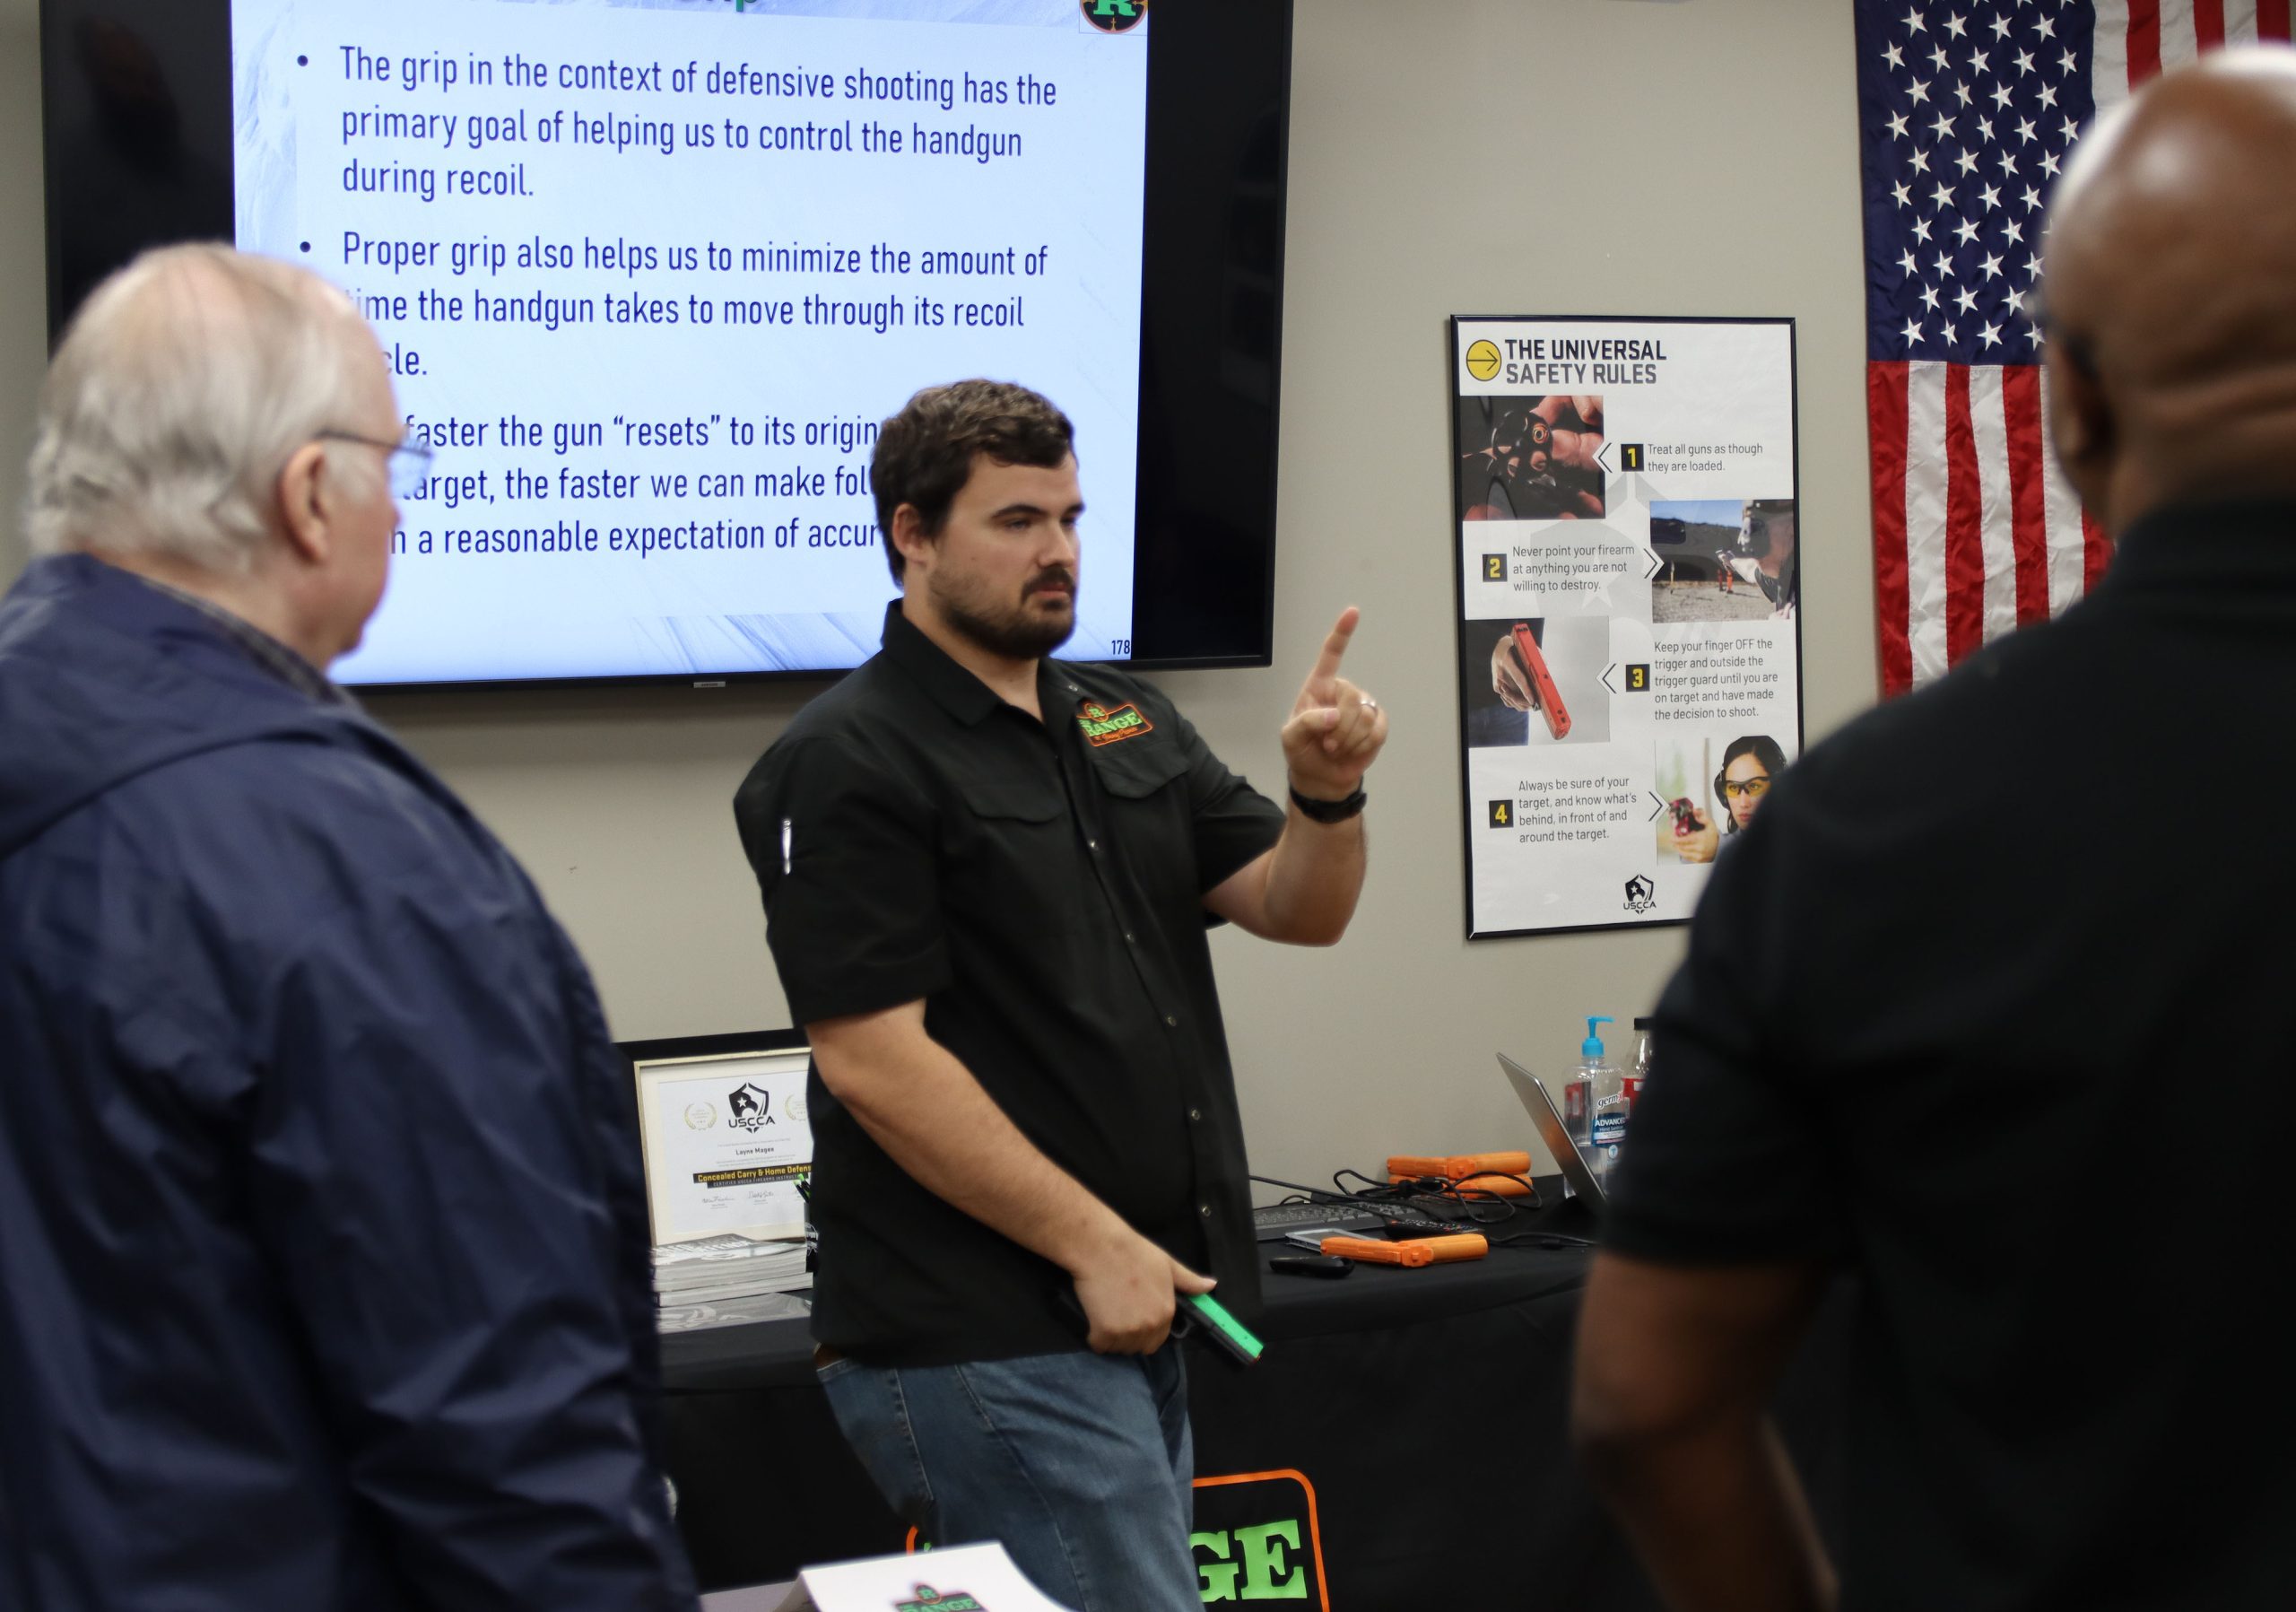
(1102, 726)
(1256, 1539)
(929, 1599)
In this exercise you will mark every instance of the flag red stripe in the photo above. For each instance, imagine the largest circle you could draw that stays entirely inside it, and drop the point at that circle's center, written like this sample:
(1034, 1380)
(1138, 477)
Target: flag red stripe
(2208, 22)
(2272, 19)
(2096, 553)
(2143, 42)
(2021, 407)
(1886, 425)
(1964, 525)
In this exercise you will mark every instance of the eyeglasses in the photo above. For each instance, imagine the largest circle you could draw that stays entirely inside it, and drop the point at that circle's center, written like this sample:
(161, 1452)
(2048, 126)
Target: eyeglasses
(1750, 789)
(2034, 305)
(407, 463)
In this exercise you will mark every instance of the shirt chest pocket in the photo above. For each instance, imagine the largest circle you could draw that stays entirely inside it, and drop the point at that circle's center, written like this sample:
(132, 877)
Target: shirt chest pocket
(1139, 771)
(1012, 846)
(1143, 790)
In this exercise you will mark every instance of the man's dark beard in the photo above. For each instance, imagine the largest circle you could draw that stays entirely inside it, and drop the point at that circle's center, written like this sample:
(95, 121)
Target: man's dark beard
(1018, 636)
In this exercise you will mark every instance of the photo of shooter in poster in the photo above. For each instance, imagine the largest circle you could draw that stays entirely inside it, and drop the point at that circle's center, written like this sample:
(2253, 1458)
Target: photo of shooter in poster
(1725, 559)
(1531, 459)
(1750, 764)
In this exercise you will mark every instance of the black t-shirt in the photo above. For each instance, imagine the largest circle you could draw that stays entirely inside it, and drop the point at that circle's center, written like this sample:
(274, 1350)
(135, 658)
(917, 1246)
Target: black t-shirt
(1993, 1002)
(1040, 886)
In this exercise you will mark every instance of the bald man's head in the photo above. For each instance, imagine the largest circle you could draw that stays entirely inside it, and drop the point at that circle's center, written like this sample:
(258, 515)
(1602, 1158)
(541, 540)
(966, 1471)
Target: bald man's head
(2171, 291)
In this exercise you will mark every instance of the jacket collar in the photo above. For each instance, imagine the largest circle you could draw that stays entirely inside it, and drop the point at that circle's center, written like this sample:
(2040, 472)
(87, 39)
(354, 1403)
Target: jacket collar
(2248, 543)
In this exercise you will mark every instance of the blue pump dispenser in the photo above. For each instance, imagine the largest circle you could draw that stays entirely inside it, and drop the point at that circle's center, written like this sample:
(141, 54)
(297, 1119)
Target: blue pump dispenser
(1591, 1048)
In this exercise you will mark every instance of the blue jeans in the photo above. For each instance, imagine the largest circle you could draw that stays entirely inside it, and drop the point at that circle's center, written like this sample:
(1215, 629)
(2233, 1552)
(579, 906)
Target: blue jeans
(1081, 1464)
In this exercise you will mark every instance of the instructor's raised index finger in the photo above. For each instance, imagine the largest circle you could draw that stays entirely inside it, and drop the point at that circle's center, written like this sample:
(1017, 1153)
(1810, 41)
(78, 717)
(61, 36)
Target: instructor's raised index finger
(1335, 646)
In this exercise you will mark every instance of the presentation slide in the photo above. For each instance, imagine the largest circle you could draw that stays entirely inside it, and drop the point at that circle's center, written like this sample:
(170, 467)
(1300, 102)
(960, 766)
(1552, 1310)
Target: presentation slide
(650, 272)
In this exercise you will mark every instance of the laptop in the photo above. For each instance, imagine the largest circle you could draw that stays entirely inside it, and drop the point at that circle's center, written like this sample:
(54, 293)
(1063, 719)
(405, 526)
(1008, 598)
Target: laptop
(1554, 1133)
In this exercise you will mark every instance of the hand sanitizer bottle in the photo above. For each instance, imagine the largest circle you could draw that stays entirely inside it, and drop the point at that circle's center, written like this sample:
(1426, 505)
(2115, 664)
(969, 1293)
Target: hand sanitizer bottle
(1579, 1094)
(1606, 1100)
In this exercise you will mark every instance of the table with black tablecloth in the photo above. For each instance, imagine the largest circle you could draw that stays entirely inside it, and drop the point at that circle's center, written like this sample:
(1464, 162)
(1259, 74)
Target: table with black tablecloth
(1401, 1445)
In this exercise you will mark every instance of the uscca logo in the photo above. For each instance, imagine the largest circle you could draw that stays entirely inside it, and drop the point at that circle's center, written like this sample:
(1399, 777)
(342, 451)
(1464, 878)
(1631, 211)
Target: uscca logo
(1102, 726)
(750, 1106)
(1115, 16)
(1641, 894)
(929, 1599)
(700, 1116)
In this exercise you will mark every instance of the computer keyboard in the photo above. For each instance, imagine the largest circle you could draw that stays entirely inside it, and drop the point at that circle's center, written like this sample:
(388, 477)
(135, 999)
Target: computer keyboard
(1288, 1215)
(1272, 1222)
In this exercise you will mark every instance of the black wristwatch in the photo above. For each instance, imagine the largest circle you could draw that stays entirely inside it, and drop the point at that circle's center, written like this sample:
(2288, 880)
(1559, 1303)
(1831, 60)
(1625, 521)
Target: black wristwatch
(1330, 811)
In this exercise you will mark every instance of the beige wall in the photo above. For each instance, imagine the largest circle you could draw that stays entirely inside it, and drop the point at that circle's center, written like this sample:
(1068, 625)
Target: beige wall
(1471, 156)
(23, 275)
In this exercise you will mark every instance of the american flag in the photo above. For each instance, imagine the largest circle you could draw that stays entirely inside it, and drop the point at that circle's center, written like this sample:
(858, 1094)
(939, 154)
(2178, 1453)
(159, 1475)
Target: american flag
(1967, 113)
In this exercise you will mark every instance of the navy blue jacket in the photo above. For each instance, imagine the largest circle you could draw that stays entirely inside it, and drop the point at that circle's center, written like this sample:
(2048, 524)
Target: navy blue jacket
(324, 1281)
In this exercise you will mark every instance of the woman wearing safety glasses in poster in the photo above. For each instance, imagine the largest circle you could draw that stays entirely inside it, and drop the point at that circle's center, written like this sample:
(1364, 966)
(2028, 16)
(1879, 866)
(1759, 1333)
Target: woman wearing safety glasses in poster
(1749, 767)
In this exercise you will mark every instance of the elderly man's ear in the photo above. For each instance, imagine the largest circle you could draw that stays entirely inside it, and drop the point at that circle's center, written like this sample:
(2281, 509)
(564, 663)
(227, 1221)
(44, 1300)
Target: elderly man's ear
(309, 502)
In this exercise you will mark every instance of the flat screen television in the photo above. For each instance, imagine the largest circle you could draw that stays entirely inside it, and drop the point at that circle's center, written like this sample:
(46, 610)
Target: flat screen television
(649, 272)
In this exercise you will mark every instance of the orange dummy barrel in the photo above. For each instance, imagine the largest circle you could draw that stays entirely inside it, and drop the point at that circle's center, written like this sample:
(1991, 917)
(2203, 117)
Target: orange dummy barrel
(1412, 1255)
(1510, 1185)
(1450, 1250)
(1455, 1166)
(1489, 1185)
(1480, 1164)
(1372, 1252)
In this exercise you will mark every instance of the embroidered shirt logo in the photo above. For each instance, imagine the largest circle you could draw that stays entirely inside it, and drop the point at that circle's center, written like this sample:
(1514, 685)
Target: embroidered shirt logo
(1102, 726)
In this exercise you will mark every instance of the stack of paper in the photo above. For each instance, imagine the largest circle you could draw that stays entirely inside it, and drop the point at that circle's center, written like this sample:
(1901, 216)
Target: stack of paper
(712, 1269)
(732, 1312)
(963, 1578)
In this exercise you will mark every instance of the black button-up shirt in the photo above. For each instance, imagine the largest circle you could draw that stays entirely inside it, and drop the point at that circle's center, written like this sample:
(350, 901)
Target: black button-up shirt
(1040, 886)
(1979, 963)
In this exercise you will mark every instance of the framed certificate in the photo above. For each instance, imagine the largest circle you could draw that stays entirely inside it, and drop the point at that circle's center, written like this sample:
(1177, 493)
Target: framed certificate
(727, 1141)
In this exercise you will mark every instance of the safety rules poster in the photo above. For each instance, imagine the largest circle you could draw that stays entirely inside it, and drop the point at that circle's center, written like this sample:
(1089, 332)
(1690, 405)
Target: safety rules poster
(1630, 596)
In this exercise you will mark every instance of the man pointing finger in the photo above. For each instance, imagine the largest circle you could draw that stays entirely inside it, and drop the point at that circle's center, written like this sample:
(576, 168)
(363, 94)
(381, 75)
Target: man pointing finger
(988, 877)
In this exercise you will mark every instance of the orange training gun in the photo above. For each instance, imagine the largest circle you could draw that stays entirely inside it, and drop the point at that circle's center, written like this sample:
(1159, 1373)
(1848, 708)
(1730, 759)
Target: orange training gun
(1416, 1252)
(1459, 1165)
(1492, 1174)
(1558, 719)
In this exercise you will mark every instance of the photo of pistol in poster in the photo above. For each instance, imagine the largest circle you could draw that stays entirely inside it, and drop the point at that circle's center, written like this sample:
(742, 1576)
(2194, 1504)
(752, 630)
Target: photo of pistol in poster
(1514, 674)
(1531, 459)
(1627, 538)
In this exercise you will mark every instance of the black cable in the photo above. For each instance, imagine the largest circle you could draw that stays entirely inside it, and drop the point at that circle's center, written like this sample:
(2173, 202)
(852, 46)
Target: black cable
(1544, 1241)
(1479, 1205)
(1382, 1199)
(1514, 1200)
(1412, 1197)
(1425, 1197)
(1312, 1194)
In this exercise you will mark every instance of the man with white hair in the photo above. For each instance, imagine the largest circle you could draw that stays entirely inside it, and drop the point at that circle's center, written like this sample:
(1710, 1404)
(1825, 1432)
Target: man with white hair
(321, 1217)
